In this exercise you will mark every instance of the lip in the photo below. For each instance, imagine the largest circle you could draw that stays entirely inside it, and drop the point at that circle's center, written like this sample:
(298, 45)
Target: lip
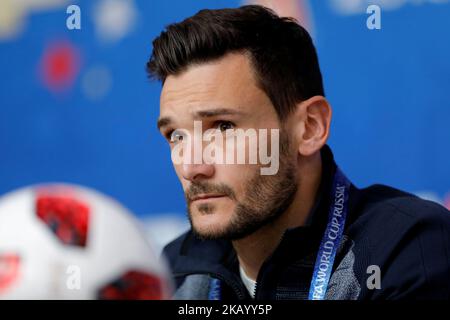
(207, 197)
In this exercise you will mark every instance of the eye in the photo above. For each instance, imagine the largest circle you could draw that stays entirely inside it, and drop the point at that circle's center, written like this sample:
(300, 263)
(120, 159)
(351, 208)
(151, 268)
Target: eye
(224, 125)
(175, 136)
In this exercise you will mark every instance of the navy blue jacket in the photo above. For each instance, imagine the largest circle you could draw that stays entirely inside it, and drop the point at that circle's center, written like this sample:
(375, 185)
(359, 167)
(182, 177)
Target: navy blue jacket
(406, 237)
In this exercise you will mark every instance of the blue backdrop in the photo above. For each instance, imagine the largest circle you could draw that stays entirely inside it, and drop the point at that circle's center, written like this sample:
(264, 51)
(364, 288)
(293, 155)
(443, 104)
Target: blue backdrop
(76, 105)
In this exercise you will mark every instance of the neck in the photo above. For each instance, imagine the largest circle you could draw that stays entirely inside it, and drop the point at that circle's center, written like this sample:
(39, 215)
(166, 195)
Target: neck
(254, 249)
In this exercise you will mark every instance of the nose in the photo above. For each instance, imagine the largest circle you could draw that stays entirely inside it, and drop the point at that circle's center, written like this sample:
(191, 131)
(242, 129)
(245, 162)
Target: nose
(196, 172)
(193, 166)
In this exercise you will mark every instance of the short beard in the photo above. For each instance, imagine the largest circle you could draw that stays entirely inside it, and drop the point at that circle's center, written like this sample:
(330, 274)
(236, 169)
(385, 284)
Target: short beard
(266, 199)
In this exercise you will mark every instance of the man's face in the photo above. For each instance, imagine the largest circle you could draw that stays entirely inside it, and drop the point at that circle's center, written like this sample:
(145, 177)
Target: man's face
(225, 200)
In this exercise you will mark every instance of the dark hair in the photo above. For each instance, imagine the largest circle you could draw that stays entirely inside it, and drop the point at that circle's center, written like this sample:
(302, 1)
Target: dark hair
(280, 50)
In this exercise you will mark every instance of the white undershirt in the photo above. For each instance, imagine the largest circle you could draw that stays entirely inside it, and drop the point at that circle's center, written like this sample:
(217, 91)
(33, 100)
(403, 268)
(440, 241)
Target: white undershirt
(250, 284)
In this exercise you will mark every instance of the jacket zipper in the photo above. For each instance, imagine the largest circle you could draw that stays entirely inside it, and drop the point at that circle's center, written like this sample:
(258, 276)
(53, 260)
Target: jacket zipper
(263, 267)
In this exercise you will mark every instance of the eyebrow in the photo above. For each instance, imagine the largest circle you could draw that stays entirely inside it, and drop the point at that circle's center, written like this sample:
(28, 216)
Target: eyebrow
(215, 112)
(164, 121)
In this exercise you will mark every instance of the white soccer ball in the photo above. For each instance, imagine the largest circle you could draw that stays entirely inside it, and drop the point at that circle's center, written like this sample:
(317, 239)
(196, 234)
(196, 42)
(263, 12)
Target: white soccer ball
(64, 241)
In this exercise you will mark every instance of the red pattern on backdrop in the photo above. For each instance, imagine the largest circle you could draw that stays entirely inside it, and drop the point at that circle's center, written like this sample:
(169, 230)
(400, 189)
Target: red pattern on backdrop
(59, 65)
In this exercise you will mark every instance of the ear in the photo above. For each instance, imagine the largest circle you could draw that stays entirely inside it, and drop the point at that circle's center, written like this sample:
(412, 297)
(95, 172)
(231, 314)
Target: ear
(312, 127)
